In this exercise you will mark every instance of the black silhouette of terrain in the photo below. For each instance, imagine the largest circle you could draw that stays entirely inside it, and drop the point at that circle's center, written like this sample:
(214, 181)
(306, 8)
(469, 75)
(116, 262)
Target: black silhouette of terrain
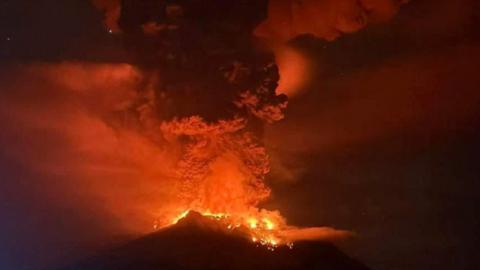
(197, 242)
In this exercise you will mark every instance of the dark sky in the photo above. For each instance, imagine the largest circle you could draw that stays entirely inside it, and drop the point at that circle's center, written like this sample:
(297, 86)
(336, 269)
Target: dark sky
(53, 31)
(383, 143)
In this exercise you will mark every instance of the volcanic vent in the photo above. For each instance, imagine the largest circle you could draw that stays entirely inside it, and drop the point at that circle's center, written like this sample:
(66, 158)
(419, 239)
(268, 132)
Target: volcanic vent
(207, 92)
(199, 242)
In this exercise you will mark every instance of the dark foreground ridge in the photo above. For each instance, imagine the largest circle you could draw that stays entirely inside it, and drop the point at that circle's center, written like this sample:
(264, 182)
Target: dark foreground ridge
(197, 242)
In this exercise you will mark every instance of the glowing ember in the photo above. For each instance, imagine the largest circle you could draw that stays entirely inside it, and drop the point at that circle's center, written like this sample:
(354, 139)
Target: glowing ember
(181, 216)
(259, 232)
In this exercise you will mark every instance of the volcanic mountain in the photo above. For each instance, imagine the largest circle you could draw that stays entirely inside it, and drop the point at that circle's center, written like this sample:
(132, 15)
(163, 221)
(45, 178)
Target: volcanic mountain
(199, 242)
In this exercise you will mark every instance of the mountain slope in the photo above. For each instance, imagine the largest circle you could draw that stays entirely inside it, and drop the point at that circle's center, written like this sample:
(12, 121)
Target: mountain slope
(197, 242)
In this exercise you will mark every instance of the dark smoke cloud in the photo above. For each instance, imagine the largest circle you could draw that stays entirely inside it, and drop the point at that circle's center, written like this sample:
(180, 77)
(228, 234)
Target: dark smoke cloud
(413, 95)
(98, 130)
(382, 138)
(377, 91)
(325, 19)
(58, 126)
(392, 126)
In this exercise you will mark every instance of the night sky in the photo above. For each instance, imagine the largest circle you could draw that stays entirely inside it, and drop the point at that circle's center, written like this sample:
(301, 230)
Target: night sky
(384, 142)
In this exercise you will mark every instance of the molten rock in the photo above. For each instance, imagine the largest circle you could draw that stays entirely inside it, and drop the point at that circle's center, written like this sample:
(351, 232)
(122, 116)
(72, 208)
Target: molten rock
(198, 242)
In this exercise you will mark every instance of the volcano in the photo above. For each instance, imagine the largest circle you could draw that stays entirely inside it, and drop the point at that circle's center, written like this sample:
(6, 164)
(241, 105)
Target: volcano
(199, 242)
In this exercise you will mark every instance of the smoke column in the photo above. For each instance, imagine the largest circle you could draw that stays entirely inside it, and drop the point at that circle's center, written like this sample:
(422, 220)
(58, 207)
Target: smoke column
(210, 90)
(177, 130)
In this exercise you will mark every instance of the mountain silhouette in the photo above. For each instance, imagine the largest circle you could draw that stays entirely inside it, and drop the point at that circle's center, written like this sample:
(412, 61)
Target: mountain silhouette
(198, 242)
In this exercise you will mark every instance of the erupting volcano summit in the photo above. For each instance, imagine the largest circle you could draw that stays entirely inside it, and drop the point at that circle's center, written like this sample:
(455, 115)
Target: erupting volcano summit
(199, 242)
(208, 92)
(208, 87)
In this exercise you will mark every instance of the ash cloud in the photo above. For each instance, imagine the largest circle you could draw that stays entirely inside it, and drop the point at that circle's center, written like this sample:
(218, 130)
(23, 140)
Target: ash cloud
(407, 87)
(410, 95)
(172, 124)
(325, 19)
(62, 121)
(71, 181)
(394, 119)
(213, 92)
(121, 136)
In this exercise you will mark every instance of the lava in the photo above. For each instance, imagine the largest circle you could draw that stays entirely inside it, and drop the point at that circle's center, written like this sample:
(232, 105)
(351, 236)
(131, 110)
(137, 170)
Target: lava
(259, 229)
(265, 228)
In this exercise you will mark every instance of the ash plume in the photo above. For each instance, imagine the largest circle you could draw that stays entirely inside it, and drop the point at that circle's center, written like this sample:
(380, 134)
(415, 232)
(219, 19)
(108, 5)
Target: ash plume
(214, 114)
(93, 150)
(326, 19)
(178, 129)
(211, 89)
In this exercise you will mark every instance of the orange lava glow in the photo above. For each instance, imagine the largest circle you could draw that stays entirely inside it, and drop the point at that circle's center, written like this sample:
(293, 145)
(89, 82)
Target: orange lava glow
(220, 174)
(266, 228)
(140, 168)
(262, 228)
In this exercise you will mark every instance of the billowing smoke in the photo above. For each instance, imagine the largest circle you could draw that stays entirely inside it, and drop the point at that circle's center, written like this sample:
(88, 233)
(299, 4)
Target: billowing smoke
(177, 130)
(374, 103)
(115, 147)
(323, 19)
(282, 21)
(211, 89)
(210, 93)
(65, 121)
(326, 19)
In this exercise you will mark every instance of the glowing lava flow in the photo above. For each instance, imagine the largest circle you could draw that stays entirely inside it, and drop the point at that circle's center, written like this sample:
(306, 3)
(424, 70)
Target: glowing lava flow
(261, 230)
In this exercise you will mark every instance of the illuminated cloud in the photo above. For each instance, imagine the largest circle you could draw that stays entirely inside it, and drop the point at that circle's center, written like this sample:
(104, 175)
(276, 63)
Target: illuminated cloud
(326, 19)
